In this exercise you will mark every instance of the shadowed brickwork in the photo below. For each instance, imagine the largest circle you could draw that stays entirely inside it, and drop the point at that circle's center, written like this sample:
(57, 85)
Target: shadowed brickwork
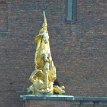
(79, 50)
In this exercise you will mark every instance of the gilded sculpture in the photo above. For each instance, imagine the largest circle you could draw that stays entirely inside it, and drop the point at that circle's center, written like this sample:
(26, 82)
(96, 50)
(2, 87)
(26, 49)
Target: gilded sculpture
(44, 75)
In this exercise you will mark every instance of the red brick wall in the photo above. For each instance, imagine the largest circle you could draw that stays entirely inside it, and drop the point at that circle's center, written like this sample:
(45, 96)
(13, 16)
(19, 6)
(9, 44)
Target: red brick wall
(38, 103)
(79, 50)
(42, 103)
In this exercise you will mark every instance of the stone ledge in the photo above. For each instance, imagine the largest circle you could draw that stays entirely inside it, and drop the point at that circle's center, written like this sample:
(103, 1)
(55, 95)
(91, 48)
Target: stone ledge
(47, 97)
(44, 100)
(62, 98)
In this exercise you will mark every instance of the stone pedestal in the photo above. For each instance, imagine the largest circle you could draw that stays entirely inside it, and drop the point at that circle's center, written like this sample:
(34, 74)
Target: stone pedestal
(46, 100)
(47, 104)
(43, 100)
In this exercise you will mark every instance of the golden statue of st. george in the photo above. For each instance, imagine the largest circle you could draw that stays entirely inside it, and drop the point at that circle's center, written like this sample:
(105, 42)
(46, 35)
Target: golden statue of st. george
(44, 75)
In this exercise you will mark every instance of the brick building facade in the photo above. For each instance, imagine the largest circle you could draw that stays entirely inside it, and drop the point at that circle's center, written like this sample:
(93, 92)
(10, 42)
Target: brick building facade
(79, 49)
